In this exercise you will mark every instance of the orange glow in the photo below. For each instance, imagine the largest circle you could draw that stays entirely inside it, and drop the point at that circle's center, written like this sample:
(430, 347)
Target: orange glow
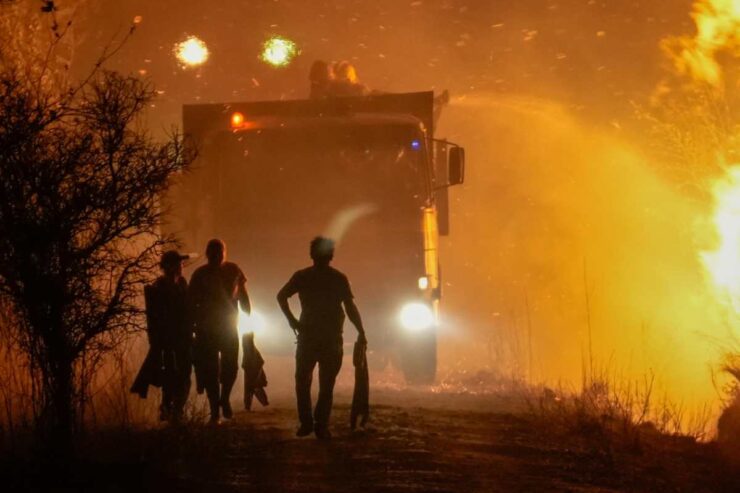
(237, 119)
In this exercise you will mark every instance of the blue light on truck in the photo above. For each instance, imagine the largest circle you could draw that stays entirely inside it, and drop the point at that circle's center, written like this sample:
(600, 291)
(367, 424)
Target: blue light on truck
(415, 145)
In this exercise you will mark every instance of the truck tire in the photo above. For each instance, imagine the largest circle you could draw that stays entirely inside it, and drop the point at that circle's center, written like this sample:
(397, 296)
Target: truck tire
(419, 360)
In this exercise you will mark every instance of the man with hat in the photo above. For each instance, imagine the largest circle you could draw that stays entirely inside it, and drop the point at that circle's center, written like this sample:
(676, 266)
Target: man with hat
(170, 338)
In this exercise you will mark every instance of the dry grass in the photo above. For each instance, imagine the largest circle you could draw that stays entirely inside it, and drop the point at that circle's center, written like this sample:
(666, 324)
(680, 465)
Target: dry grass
(108, 406)
(616, 417)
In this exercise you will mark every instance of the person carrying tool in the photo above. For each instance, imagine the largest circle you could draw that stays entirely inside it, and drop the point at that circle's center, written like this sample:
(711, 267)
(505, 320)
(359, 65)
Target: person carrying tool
(217, 289)
(325, 296)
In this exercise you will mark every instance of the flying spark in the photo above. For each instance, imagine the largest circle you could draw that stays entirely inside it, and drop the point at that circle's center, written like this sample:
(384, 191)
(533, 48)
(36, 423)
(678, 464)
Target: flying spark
(192, 52)
(278, 52)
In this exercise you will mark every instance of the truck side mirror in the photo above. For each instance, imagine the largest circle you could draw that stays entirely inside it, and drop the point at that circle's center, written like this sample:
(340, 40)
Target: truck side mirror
(456, 163)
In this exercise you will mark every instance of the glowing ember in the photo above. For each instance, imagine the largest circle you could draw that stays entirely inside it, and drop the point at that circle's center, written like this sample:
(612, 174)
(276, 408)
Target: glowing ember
(723, 263)
(192, 52)
(278, 52)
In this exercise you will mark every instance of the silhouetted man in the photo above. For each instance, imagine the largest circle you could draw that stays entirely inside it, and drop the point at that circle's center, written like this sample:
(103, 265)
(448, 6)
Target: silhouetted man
(216, 289)
(170, 338)
(322, 290)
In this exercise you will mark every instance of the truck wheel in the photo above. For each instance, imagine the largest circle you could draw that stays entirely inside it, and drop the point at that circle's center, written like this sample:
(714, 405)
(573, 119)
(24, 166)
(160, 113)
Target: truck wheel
(421, 376)
(378, 359)
(419, 360)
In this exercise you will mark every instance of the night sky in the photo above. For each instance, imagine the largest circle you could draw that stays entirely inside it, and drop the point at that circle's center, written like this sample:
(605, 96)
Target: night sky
(594, 57)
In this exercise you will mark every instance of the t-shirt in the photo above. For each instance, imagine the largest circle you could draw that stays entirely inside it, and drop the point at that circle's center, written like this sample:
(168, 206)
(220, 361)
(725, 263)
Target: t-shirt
(321, 290)
(214, 294)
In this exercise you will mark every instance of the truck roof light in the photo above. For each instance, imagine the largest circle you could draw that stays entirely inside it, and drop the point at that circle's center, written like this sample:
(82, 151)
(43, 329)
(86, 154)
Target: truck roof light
(237, 119)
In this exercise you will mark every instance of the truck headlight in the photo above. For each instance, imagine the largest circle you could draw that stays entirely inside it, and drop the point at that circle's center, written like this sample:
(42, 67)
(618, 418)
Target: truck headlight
(416, 317)
(254, 322)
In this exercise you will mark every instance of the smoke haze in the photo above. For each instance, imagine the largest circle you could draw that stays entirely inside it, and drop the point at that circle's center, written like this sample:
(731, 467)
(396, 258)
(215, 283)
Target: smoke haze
(568, 249)
(561, 227)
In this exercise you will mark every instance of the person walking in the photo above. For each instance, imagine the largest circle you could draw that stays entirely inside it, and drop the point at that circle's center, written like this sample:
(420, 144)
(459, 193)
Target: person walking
(216, 291)
(168, 363)
(325, 296)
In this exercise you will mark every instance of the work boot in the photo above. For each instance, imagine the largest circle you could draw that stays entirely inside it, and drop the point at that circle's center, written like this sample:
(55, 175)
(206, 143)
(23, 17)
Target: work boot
(227, 412)
(323, 433)
(215, 418)
(304, 430)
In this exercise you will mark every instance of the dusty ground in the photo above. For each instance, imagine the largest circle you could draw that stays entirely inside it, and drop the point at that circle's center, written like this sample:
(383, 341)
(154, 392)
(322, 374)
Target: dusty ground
(407, 448)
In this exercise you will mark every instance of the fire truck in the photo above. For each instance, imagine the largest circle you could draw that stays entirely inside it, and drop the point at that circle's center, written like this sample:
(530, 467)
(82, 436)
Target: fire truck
(366, 171)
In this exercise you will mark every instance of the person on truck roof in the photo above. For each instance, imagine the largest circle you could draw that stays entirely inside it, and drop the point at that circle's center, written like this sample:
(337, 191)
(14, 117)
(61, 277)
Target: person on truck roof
(346, 82)
(321, 77)
(216, 291)
(322, 291)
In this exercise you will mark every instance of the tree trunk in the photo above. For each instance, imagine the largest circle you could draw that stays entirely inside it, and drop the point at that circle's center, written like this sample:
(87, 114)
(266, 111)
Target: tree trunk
(63, 405)
(58, 419)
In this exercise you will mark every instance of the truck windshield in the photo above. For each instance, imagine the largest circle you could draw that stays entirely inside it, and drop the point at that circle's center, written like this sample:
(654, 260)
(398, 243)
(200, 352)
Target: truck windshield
(380, 164)
(313, 175)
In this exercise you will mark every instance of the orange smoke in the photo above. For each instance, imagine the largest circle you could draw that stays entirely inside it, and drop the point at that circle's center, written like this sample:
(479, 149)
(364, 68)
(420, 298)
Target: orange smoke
(562, 235)
(579, 255)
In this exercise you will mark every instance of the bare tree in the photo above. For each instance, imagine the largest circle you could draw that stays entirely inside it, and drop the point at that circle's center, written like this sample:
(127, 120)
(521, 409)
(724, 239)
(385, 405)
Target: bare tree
(79, 225)
(41, 35)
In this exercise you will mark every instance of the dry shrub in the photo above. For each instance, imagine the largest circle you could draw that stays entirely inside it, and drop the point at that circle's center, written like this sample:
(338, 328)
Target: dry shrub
(108, 405)
(728, 425)
(609, 413)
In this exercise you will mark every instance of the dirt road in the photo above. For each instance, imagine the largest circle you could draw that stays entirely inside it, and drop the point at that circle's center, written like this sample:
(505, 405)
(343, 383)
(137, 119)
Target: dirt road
(406, 449)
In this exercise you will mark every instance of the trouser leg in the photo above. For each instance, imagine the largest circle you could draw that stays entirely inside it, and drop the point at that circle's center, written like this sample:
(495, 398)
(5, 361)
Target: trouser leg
(330, 362)
(261, 396)
(304, 365)
(229, 367)
(209, 369)
(183, 367)
(168, 383)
